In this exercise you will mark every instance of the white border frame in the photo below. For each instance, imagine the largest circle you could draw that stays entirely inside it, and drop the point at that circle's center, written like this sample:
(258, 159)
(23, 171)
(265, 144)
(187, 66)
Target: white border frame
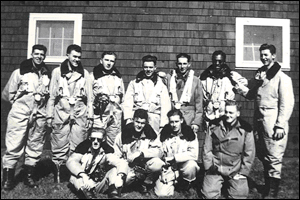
(239, 50)
(34, 17)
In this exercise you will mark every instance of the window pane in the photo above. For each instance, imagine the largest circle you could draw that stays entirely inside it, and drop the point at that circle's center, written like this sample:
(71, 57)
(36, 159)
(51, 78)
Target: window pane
(251, 53)
(254, 36)
(55, 35)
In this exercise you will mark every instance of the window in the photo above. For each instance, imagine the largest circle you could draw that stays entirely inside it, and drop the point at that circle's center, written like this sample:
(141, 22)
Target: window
(56, 32)
(251, 33)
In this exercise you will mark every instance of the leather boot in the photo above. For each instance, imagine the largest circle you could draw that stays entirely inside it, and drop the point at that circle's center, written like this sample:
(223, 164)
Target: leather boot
(8, 178)
(266, 189)
(274, 186)
(29, 179)
(113, 192)
(89, 194)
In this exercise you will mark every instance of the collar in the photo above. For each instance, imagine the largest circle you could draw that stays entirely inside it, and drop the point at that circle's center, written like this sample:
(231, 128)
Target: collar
(98, 72)
(64, 68)
(141, 76)
(27, 66)
(211, 72)
(182, 76)
(270, 73)
(186, 133)
(128, 133)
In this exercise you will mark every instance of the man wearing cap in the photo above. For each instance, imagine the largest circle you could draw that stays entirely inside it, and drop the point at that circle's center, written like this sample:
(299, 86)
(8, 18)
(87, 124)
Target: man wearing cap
(28, 92)
(148, 92)
(70, 107)
(95, 168)
(108, 89)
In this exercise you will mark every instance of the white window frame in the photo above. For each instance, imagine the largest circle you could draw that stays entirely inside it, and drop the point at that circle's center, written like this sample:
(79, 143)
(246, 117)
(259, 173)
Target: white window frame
(239, 48)
(34, 17)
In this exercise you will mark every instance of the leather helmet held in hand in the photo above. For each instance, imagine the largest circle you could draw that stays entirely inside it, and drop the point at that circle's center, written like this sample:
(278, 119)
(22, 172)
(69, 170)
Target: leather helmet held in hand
(100, 103)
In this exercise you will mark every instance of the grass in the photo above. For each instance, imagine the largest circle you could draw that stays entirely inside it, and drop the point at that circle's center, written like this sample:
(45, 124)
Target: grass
(49, 190)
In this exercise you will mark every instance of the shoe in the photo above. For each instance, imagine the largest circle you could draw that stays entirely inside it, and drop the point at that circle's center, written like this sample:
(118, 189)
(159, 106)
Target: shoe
(274, 187)
(29, 179)
(8, 179)
(113, 193)
(143, 189)
(89, 194)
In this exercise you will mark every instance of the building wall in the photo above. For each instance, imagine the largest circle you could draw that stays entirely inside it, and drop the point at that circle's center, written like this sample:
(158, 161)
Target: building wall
(163, 28)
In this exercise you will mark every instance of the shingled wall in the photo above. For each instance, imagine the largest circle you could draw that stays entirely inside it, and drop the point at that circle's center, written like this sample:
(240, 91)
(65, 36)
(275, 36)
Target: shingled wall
(163, 28)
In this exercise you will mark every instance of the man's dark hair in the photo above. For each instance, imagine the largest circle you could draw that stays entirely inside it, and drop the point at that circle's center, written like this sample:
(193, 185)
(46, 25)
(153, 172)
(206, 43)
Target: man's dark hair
(183, 55)
(141, 113)
(108, 53)
(271, 47)
(174, 112)
(233, 103)
(149, 58)
(39, 47)
(219, 52)
(74, 47)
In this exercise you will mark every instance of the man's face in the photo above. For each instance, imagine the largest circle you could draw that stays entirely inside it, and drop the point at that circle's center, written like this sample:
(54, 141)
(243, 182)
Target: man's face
(97, 138)
(266, 57)
(38, 56)
(183, 64)
(149, 68)
(231, 114)
(175, 122)
(108, 61)
(218, 61)
(139, 124)
(74, 58)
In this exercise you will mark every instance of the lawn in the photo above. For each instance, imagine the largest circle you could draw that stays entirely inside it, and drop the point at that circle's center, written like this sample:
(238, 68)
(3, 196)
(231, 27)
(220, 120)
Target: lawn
(49, 190)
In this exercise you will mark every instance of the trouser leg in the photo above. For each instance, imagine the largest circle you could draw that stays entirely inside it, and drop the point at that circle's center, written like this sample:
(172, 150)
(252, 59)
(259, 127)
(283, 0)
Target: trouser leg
(212, 185)
(238, 189)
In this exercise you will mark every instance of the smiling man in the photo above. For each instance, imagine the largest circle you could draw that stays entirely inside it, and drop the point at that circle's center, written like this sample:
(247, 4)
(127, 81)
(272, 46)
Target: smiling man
(139, 145)
(28, 92)
(70, 107)
(274, 96)
(186, 91)
(229, 152)
(108, 89)
(148, 92)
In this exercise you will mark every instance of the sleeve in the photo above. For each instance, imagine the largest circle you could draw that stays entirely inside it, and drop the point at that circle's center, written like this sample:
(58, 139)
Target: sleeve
(118, 147)
(285, 100)
(120, 164)
(248, 154)
(154, 149)
(165, 106)
(191, 153)
(52, 92)
(89, 93)
(207, 151)
(122, 92)
(198, 103)
(128, 101)
(11, 86)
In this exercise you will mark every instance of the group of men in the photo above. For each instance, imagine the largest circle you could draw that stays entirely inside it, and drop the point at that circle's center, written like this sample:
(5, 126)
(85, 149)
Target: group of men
(164, 114)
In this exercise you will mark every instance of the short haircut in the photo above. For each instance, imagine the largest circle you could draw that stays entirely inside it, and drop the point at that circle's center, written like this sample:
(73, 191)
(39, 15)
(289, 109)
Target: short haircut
(39, 47)
(97, 129)
(233, 103)
(183, 55)
(271, 47)
(108, 53)
(141, 113)
(74, 47)
(149, 58)
(218, 52)
(174, 112)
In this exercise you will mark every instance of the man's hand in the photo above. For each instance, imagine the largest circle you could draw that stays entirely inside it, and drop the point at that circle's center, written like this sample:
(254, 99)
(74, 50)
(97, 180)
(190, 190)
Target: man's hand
(239, 176)
(195, 128)
(120, 179)
(87, 182)
(278, 133)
